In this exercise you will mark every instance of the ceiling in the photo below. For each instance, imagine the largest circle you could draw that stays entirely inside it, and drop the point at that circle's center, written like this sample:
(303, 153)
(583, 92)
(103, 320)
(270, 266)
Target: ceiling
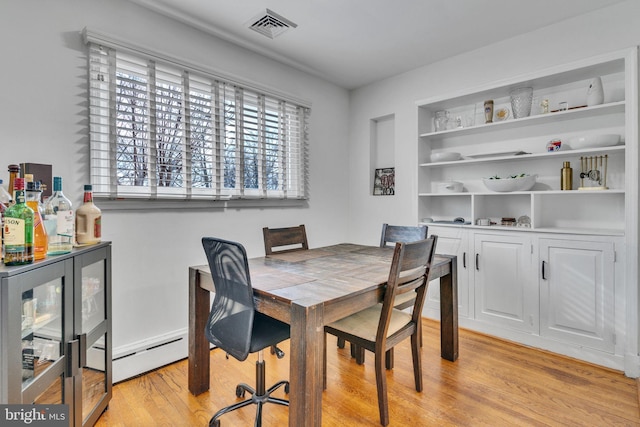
(356, 42)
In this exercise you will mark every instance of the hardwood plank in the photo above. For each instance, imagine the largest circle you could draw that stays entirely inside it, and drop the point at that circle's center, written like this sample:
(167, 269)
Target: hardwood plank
(493, 383)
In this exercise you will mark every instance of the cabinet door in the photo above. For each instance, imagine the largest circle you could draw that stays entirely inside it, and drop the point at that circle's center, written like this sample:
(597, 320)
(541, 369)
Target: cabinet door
(34, 352)
(92, 334)
(577, 292)
(451, 241)
(502, 280)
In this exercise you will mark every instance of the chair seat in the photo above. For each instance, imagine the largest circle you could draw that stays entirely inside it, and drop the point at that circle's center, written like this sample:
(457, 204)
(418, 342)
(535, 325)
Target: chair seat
(364, 324)
(267, 331)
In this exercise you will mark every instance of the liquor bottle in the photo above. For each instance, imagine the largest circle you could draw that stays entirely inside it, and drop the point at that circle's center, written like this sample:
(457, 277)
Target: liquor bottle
(18, 229)
(88, 220)
(5, 201)
(40, 239)
(59, 220)
(5, 197)
(14, 172)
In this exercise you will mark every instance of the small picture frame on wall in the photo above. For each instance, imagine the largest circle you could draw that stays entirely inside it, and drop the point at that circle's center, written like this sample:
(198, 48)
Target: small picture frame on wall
(384, 182)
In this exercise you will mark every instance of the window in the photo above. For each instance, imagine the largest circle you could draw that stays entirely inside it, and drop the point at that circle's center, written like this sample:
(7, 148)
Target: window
(159, 130)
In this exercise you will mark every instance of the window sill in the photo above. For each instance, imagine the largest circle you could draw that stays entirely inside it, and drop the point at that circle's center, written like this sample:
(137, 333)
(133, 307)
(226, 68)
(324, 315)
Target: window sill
(135, 204)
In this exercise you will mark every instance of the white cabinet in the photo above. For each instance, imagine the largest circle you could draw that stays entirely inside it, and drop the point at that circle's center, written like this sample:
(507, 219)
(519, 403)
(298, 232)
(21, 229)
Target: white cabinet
(585, 304)
(451, 241)
(577, 292)
(505, 291)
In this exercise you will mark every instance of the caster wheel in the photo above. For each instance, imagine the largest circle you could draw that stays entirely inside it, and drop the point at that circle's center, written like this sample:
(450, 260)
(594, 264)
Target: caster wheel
(239, 391)
(286, 388)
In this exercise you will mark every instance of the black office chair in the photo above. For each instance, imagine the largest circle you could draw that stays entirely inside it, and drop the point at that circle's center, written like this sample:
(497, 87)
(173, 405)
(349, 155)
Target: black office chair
(235, 326)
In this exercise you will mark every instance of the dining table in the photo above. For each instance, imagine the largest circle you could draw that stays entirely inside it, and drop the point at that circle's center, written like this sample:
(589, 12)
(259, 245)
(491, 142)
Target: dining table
(308, 289)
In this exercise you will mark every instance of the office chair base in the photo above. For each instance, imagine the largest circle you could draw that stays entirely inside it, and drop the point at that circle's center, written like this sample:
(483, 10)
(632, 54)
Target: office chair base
(258, 397)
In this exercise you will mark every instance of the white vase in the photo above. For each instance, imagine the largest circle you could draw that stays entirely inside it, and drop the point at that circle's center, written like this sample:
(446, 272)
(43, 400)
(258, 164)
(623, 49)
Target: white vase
(595, 93)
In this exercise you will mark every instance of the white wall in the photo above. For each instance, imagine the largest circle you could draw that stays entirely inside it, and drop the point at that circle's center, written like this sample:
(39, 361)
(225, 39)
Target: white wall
(610, 29)
(600, 32)
(43, 117)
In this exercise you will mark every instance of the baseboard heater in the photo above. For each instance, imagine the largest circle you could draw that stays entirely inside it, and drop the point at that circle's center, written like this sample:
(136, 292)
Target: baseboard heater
(143, 357)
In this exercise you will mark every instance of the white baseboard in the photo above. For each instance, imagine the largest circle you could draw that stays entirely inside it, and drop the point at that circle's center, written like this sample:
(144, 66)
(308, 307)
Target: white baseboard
(632, 365)
(147, 355)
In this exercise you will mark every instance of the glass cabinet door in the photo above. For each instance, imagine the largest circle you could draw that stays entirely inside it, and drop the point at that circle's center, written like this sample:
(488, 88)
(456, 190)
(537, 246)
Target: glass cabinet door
(41, 328)
(93, 331)
(38, 301)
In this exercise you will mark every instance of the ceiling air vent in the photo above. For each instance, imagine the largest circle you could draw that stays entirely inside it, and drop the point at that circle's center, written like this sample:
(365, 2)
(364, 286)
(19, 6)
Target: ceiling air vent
(270, 24)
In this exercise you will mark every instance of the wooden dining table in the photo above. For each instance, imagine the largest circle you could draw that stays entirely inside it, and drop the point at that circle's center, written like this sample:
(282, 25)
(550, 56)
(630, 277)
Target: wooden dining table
(308, 289)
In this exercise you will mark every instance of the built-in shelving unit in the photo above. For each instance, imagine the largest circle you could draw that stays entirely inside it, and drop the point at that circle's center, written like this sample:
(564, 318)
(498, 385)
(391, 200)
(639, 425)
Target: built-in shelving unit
(510, 281)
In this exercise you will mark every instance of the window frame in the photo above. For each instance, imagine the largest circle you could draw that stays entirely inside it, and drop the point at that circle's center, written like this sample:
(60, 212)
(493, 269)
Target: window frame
(269, 115)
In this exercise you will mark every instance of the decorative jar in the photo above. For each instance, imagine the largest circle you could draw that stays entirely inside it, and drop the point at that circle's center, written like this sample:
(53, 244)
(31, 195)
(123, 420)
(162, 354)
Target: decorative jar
(521, 99)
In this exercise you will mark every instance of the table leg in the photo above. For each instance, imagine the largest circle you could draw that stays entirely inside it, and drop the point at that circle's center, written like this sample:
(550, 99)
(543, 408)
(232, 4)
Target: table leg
(449, 313)
(199, 305)
(306, 365)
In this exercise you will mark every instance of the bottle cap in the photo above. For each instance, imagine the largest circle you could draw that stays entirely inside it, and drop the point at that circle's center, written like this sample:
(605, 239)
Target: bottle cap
(14, 168)
(18, 184)
(567, 164)
(33, 186)
(57, 183)
(87, 187)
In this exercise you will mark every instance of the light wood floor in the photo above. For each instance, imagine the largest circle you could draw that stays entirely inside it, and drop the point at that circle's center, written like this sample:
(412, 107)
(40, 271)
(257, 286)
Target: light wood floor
(493, 383)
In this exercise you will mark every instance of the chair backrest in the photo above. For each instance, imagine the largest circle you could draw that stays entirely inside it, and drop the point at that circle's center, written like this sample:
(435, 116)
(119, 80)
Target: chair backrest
(401, 233)
(289, 238)
(230, 322)
(409, 272)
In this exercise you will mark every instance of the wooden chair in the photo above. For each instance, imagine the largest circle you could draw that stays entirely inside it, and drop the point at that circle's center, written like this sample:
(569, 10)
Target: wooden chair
(401, 233)
(288, 239)
(381, 327)
(394, 234)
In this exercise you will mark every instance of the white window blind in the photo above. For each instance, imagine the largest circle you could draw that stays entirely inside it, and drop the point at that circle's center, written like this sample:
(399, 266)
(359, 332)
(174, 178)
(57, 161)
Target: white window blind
(162, 131)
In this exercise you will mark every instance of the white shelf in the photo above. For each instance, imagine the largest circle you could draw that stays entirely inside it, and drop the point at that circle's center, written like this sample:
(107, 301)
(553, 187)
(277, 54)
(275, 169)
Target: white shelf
(527, 157)
(532, 193)
(553, 230)
(597, 110)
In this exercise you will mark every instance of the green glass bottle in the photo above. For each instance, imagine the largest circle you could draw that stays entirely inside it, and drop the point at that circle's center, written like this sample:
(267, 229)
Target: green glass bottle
(17, 232)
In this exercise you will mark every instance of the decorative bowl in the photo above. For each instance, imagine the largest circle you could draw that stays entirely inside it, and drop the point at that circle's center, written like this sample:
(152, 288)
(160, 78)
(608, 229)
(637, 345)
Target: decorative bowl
(505, 185)
(445, 157)
(589, 141)
(448, 187)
